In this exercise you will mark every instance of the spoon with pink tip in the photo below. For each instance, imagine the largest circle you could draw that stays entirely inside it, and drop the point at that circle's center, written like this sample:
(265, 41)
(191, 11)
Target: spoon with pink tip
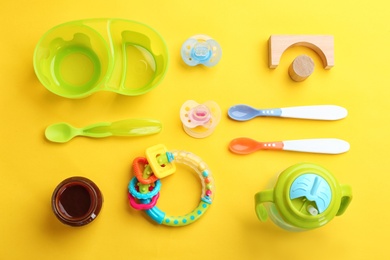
(245, 145)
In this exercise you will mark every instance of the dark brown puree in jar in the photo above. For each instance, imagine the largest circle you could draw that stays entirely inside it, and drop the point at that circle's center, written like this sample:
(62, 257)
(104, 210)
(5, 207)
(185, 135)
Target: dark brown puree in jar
(76, 201)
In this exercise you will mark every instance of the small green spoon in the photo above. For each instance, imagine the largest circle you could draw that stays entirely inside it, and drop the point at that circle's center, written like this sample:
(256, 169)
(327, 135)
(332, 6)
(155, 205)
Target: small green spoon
(63, 132)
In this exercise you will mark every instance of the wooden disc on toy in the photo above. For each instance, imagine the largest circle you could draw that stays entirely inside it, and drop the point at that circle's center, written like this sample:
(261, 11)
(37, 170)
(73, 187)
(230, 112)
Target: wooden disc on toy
(301, 68)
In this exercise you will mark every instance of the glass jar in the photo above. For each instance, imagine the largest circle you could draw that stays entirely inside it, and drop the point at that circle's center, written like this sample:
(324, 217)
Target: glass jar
(76, 201)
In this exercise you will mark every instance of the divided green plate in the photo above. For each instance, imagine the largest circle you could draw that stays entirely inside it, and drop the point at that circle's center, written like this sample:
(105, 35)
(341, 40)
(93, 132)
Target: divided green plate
(79, 58)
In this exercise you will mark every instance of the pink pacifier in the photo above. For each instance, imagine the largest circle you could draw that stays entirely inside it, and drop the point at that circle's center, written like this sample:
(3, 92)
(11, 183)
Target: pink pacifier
(200, 120)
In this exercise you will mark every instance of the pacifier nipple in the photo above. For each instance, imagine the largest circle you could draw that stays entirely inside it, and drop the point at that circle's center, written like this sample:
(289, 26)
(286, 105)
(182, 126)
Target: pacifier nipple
(200, 120)
(201, 49)
(200, 115)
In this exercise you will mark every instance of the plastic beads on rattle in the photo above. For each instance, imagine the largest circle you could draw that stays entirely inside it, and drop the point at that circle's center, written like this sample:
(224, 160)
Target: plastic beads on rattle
(144, 188)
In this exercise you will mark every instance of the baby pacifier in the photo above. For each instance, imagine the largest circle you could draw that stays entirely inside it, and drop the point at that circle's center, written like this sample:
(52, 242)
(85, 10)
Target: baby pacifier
(201, 49)
(200, 120)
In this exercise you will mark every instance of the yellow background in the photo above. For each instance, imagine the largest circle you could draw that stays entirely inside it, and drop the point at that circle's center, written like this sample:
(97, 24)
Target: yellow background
(31, 167)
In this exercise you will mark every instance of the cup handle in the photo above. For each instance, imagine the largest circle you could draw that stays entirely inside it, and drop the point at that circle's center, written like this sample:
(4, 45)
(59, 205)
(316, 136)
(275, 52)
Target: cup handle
(260, 198)
(346, 197)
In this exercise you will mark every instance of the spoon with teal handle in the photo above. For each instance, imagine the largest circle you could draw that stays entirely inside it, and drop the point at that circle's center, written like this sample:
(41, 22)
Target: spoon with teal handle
(319, 112)
(63, 132)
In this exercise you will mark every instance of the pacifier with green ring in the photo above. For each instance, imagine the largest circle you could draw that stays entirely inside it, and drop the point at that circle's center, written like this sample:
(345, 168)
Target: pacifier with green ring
(160, 163)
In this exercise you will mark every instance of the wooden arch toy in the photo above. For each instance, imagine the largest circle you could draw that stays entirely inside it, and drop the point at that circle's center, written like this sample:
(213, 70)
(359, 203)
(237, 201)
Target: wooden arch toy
(323, 45)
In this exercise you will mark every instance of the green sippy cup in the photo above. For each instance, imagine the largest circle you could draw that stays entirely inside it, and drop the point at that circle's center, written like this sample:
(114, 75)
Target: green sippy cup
(305, 196)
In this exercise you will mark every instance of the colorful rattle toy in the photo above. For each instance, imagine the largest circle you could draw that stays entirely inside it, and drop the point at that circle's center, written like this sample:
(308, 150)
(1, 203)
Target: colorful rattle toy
(201, 49)
(144, 188)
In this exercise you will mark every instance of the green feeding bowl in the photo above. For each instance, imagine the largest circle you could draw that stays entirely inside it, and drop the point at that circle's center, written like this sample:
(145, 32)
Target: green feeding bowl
(78, 58)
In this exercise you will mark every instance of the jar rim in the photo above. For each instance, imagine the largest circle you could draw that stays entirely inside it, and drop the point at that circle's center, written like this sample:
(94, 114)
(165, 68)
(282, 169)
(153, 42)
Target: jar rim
(95, 203)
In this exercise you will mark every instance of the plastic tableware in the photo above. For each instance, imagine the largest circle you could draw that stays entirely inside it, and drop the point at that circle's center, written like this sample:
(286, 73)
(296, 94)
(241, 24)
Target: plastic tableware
(63, 132)
(319, 112)
(305, 196)
(79, 58)
(201, 49)
(323, 145)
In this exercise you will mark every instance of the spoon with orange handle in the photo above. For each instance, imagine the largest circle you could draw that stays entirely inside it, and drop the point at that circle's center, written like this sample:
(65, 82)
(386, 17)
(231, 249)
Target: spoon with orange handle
(245, 145)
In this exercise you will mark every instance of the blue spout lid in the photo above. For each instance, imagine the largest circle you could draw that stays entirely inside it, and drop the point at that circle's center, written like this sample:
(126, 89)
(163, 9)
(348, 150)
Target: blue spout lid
(313, 188)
